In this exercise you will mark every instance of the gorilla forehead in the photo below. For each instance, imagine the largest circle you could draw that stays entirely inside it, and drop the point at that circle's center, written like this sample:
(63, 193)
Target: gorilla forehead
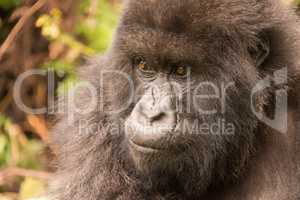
(195, 28)
(192, 15)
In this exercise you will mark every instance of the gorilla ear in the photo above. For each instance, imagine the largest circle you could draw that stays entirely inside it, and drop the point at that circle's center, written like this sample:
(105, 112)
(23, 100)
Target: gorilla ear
(261, 51)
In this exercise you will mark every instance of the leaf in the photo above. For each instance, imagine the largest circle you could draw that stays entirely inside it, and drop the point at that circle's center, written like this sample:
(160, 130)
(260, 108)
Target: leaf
(4, 145)
(31, 188)
(3, 119)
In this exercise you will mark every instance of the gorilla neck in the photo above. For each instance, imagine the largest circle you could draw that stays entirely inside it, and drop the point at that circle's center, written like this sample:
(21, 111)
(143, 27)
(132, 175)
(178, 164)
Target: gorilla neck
(273, 172)
(163, 184)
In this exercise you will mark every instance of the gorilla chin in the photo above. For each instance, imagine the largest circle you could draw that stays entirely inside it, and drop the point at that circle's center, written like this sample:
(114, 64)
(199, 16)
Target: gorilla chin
(167, 155)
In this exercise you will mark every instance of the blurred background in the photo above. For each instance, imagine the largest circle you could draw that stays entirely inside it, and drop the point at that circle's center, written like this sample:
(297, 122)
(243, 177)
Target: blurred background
(45, 34)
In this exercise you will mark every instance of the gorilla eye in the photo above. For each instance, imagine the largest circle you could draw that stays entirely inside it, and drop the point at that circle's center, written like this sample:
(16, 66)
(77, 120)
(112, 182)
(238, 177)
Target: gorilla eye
(181, 71)
(141, 64)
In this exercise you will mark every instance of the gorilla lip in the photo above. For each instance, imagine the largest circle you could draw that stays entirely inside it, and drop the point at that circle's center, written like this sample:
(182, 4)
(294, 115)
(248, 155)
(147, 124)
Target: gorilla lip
(147, 139)
(144, 148)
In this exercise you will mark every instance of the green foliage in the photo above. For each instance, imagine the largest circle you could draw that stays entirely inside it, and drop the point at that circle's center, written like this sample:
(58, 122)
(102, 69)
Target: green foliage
(8, 4)
(15, 149)
(97, 28)
(5, 146)
(4, 150)
(93, 34)
(50, 25)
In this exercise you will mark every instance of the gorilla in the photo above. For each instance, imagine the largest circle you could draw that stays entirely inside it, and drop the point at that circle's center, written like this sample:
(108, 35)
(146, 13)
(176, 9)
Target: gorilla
(194, 99)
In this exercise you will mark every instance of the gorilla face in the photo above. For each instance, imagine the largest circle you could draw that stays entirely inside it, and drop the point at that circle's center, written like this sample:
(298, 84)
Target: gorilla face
(188, 120)
(192, 120)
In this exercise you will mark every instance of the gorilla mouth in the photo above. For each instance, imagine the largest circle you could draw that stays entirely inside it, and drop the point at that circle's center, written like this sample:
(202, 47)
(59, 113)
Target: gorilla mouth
(148, 138)
(144, 148)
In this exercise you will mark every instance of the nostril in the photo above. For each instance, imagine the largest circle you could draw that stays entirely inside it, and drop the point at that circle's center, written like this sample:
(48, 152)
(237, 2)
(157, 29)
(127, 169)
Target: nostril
(160, 119)
(151, 116)
(156, 117)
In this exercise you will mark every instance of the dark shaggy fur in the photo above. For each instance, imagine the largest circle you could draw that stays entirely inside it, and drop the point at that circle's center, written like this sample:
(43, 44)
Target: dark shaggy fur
(220, 39)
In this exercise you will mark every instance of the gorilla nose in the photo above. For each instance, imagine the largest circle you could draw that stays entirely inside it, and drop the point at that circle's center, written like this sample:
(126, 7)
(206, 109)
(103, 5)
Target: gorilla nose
(151, 124)
(157, 113)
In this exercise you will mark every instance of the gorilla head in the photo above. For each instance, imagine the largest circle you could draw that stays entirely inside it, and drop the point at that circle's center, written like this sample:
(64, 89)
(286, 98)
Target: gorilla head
(178, 83)
(188, 67)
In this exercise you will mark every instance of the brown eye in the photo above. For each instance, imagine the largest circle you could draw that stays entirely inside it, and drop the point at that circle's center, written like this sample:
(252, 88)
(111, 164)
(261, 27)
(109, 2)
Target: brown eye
(142, 66)
(181, 71)
(144, 70)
